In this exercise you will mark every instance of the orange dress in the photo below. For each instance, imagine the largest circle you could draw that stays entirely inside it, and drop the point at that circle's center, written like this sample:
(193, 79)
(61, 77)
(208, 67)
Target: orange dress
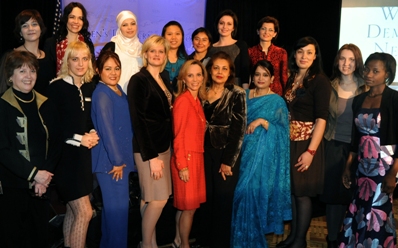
(189, 124)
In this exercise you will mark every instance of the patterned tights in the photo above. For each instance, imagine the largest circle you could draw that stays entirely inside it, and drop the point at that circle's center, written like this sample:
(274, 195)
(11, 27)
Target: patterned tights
(77, 217)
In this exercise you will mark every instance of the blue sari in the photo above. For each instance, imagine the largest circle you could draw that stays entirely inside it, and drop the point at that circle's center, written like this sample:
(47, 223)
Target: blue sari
(262, 199)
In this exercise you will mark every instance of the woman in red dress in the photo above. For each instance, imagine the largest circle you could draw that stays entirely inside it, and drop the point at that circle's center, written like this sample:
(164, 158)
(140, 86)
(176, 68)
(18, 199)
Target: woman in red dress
(187, 167)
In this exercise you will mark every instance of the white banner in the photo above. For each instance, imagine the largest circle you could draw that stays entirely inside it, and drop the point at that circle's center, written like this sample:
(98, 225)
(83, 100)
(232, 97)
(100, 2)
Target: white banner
(373, 28)
(152, 15)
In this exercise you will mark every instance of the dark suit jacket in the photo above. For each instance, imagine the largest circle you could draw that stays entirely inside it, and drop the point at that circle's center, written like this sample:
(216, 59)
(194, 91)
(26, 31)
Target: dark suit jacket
(17, 168)
(150, 114)
(227, 124)
(389, 119)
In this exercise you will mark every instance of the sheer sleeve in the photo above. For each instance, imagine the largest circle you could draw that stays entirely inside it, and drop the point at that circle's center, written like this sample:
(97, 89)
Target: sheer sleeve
(103, 117)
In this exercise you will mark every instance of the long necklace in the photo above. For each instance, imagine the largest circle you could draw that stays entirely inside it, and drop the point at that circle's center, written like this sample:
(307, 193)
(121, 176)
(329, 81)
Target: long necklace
(25, 101)
(298, 82)
(37, 56)
(169, 96)
(254, 92)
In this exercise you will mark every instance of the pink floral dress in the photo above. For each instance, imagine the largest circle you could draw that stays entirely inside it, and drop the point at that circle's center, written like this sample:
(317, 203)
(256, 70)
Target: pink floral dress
(369, 221)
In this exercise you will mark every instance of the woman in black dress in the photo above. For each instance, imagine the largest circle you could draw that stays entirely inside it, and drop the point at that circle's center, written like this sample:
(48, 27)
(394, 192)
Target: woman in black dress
(29, 28)
(72, 92)
(307, 95)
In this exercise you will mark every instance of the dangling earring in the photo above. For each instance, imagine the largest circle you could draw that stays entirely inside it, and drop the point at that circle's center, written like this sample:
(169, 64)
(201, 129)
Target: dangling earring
(10, 80)
(386, 80)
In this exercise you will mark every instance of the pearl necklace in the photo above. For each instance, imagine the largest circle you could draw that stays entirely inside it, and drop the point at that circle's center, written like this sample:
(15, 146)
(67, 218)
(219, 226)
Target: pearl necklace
(254, 92)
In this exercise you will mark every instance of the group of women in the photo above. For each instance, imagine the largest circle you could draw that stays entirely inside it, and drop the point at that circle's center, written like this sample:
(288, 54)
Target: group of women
(248, 159)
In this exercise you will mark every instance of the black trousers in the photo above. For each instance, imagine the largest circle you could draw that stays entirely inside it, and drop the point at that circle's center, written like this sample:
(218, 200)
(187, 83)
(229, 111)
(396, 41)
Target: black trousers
(214, 227)
(23, 220)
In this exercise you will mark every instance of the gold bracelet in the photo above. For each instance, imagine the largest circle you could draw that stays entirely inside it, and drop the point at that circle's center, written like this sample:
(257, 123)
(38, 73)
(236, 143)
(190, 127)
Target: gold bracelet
(184, 169)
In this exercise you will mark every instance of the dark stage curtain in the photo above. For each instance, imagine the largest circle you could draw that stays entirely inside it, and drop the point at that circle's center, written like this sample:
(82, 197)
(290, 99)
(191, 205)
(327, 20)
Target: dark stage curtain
(297, 18)
(9, 9)
(320, 19)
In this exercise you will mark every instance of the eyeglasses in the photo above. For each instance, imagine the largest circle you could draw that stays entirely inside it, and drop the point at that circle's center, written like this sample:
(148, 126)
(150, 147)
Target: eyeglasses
(267, 30)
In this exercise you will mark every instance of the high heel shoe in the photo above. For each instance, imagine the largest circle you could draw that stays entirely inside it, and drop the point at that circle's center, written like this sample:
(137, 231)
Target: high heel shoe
(331, 243)
(174, 245)
(282, 244)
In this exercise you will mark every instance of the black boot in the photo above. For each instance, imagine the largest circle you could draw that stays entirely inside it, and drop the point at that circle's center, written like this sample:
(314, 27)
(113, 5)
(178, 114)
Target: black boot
(331, 243)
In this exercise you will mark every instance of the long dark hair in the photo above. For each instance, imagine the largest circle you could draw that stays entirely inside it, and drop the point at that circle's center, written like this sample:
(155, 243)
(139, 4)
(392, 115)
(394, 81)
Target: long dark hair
(358, 73)
(181, 52)
(315, 68)
(62, 32)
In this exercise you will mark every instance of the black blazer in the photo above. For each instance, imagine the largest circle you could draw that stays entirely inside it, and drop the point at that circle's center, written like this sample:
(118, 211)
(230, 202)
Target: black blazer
(227, 124)
(389, 119)
(150, 114)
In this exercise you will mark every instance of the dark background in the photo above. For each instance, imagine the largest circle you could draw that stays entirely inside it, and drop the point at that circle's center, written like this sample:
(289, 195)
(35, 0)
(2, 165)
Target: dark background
(298, 18)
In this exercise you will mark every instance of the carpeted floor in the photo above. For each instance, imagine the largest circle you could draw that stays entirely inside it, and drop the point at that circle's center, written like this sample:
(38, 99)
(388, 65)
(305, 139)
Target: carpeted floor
(316, 236)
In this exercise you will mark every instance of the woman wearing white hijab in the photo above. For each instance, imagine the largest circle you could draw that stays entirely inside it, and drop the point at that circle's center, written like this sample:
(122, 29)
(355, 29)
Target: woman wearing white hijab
(127, 45)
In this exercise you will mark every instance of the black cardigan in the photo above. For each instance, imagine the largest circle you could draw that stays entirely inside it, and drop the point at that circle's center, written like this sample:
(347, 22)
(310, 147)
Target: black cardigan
(150, 114)
(389, 119)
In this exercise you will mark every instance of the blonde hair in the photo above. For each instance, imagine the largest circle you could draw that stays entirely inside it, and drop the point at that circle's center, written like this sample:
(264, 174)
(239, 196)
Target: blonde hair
(183, 73)
(71, 51)
(154, 40)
